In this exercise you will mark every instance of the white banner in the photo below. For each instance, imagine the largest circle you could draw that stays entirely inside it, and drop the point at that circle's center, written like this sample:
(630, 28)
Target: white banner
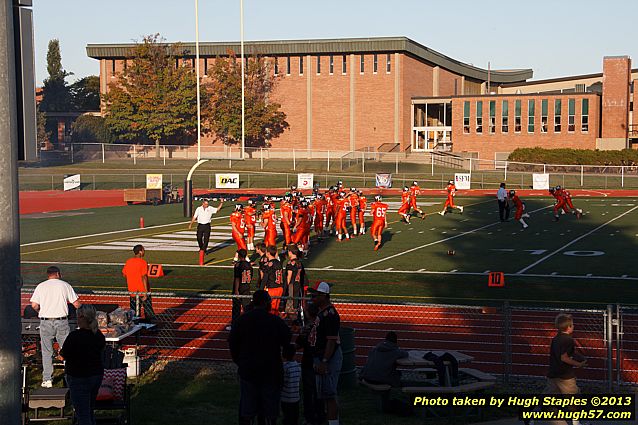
(540, 181)
(305, 181)
(383, 180)
(72, 182)
(462, 180)
(227, 181)
(153, 181)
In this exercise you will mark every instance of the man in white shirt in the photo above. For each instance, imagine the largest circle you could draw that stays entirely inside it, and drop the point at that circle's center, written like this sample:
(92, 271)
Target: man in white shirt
(203, 215)
(51, 300)
(503, 203)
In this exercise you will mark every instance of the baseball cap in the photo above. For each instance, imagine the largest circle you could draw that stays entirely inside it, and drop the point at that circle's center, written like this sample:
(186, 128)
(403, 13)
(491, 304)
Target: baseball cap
(321, 287)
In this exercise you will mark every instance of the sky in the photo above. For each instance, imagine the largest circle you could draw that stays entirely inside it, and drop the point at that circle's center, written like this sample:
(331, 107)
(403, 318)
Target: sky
(555, 38)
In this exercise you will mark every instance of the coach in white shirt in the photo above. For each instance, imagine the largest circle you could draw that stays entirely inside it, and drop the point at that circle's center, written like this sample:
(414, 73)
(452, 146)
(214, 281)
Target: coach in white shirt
(203, 215)
(503, 203)
(51, 300)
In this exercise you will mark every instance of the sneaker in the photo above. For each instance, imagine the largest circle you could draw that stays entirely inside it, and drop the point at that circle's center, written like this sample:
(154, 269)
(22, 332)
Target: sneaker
(525, 226)
(461, 208)
(377, 246)
(441, 213)
(47, 384)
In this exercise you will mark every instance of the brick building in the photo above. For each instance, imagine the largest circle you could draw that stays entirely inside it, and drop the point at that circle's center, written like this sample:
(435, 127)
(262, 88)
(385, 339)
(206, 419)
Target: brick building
(394, 93)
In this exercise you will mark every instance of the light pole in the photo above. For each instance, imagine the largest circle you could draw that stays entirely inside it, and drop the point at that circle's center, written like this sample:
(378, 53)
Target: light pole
(199, 113)
(243, 100)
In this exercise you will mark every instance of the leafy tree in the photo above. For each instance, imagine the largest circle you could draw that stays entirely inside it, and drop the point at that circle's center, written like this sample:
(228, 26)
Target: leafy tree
(42, 133)
(264, 120)
(56, 96)
(154, 99)
(85, 94)
(91, 128)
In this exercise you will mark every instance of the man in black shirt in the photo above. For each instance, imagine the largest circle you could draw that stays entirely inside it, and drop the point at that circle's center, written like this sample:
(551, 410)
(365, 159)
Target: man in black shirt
(273, 278)
(255, 342)
(260, 249)
(563, 358)
(242, 276)
(295, 278)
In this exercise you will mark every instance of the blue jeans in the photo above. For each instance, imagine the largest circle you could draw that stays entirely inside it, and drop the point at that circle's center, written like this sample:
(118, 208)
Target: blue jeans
(83, 394)
(49, 330)
(259, 399)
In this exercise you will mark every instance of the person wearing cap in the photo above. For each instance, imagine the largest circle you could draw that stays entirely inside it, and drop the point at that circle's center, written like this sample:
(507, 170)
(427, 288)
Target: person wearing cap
(255, 341)
(203, 215)
(503, 203)
(328, 356)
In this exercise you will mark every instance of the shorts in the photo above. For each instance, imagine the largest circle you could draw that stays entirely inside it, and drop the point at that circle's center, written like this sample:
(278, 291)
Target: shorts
(327, 384)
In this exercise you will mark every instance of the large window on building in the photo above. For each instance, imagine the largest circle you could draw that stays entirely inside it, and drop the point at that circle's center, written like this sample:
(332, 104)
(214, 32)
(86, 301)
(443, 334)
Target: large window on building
(584, 118)
(388, 63)
(531, 112)
(571, 117)
(492, 116)
(318, 65)
(288, 65)
(362, 64)
(375, 63)
(344, 64)
(332, 64)
(276, 62)
(544, 116)
(466, 117)
(517, 117)
(505, 117)
(479, 117)
(557, 115)
(300, 65)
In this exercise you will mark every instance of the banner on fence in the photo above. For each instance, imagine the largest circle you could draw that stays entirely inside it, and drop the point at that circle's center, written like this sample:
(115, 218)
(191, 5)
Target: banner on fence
(72, 182)
(383, 180)
(462, 180)
(153, 181)
(540, 181)
(227, 181)
(305, 181)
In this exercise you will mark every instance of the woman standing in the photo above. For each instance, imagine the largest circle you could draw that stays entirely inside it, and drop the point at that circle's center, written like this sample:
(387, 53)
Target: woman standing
(82, 352)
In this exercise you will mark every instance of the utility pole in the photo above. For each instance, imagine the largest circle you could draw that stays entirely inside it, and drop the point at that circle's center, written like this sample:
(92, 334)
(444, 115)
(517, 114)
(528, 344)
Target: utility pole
(10, 353)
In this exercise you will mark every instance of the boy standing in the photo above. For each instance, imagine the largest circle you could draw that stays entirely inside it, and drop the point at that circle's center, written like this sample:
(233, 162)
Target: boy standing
(290, 389)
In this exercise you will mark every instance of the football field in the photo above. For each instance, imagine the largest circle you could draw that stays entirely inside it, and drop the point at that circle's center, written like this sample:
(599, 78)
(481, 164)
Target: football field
(586, 261)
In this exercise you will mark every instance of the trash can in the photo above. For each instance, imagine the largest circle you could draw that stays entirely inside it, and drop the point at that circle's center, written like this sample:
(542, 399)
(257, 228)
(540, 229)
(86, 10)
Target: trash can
(348, 376)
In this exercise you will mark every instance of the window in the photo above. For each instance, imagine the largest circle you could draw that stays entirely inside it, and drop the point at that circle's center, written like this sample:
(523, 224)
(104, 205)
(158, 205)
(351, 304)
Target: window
(479, 117)
(557, 112)
(505, 117)
(205, 66)
(125, 64)
(492, 116)
(300, 65)
(584, 117)
(344, 66)
(276, 65)
(571, 118)
(531, 111)
(288, 65)
(388, 62)
(332, 64)
(517, 117)
(318, 65)
(466, 117)
(375, 63)
(362, 65)
(113, 67)
(544, 116)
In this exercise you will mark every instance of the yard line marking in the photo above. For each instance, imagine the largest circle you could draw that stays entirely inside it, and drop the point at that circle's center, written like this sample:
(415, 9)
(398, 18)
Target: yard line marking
(453, 271)
(328, 267)
(574, 241)
(440, 241)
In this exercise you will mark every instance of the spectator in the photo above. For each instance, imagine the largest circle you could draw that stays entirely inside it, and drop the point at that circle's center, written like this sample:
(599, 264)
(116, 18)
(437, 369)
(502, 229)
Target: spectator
(242, 276)
(51, 300)
(381, 366)
(136, 272)
(290, 390)
(328, 355)
(255, 342)
(260, 249)
(204, 215)
(308, 379)
(82, 352)
(563, 358)
(503, 203)
(295, 280)
(272, 277)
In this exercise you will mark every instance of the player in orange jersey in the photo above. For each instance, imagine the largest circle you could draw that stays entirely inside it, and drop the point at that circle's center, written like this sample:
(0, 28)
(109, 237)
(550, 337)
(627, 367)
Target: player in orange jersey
(287, 222)
(342, 207)
(250, 216)
(301, 231)
(363, 204)
(379, 222)
(568, 202)
(321, 205)
(268, 220)
(353, 198)
(238, 225)
(449, 202)
(331, 210)
(520, 208)
(404, 209)
(414, 191)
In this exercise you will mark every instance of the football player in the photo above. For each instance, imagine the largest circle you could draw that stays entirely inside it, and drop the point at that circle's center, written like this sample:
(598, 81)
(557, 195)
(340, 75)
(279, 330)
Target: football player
(414, 191)
(342, 207)
(268, 220)
(238, 225)
(379, 222)
(404, 210)
(287, 221)
(520, 208)
(363, 204)
(353, 198)
(449, 202)
(250, 216)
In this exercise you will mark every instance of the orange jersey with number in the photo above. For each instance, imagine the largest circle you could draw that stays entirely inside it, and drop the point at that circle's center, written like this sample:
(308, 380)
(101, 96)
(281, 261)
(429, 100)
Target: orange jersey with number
(354, 199)
(271, 217)
(237, 218)
(415, 190)
(286, 213)
(363, 203)
(451, 190)
(250, 216)
(405, 197)
(379, 210)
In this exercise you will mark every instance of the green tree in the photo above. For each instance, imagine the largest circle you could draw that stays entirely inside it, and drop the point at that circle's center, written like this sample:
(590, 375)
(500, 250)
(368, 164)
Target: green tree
(42, 133)
(154, 99)
(85, 94)
(90, 129)
(56, 96)
(264, 120)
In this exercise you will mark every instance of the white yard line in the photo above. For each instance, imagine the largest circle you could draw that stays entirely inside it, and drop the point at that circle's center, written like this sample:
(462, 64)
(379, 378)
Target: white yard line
(440, 241)
(551, 254)
(111, 233)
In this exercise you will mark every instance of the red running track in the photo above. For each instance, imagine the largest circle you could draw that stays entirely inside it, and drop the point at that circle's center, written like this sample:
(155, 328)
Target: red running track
(194, 328)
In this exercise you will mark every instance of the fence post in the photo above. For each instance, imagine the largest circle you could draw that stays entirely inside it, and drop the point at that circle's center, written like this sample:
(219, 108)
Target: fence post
(102, 153)
(72, 153)
(287, 185)
(363, 162)
(619, 333)
(507, 341)
(622, 176)
(261, 158)
(609, 343)
(294, 161)
(133, 181)
(505, 178)
(52, 183)
(396, 160)
(432, 165)
(544, 168)
(134, 155)
(230, 157)
(93, 181)
(164, 155)
(341, 162)
(328, 169)
(581, 175)
(248, 174)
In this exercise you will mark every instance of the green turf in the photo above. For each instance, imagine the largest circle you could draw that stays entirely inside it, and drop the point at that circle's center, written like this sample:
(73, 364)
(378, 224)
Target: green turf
(413, 264)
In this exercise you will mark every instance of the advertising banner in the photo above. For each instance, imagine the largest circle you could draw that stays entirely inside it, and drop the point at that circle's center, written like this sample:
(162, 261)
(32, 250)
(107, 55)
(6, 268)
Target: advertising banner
(305, 181)
(72, 182)
(540, 181)
(227, 181)
(462, 180)
(383, 180)
(153, 181)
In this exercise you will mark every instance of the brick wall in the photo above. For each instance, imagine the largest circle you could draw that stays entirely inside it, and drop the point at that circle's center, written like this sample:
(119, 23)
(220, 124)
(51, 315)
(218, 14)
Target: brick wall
(615, 102)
